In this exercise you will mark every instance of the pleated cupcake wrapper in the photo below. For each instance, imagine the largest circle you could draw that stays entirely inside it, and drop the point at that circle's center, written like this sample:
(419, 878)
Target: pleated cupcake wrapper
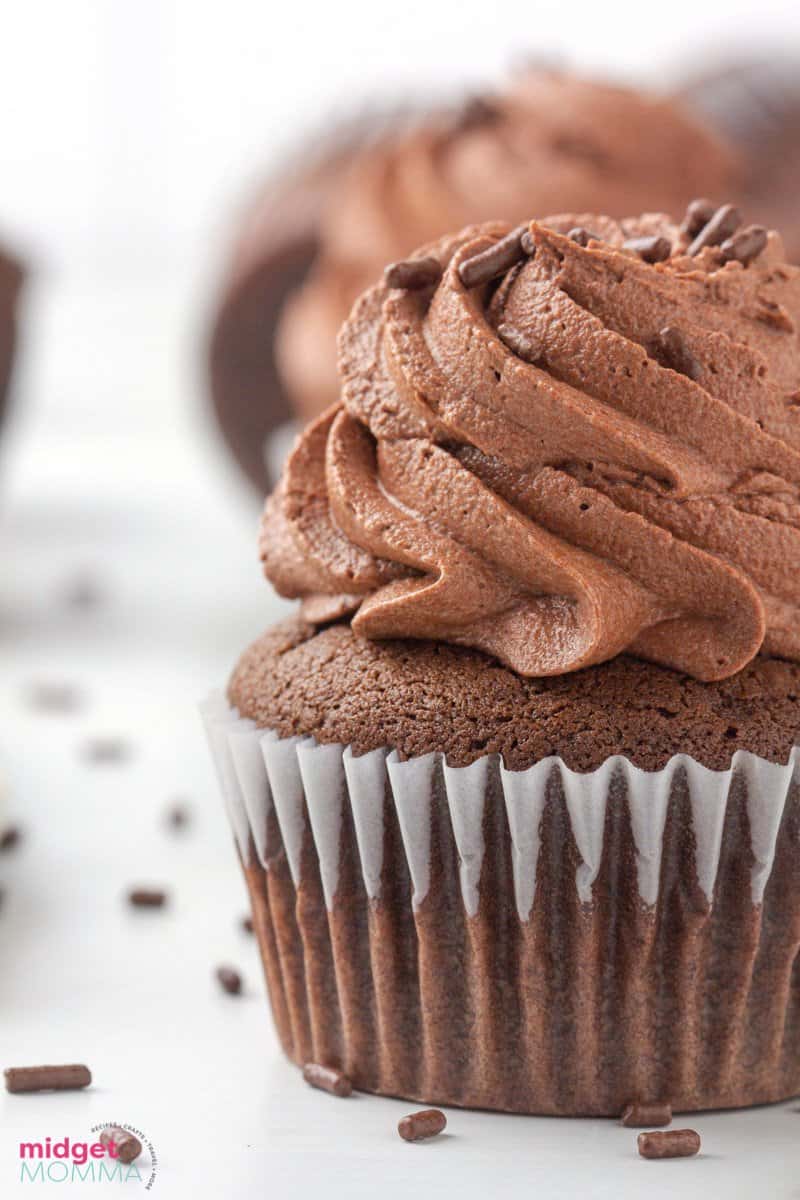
(627, 875)
(303, 781)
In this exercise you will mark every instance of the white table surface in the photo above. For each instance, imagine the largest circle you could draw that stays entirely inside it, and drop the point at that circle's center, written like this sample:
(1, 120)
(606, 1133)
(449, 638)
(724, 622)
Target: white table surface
(110, 469)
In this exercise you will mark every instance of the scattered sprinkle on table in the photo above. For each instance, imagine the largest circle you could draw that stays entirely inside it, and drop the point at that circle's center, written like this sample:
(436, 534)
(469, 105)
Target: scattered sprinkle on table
(67, 1077)
(83, 591)
(671, 1143)
(122, 1143)
(50, 696)
(644, 1114)
(10, 837)
(247, 924)
(229, 980)
(327, 1079)
(141, 897)
(420, 1125)
(102, 750)
(178, 815)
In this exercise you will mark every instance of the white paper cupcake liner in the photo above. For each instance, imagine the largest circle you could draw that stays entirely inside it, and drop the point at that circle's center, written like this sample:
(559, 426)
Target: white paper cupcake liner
(595, 921)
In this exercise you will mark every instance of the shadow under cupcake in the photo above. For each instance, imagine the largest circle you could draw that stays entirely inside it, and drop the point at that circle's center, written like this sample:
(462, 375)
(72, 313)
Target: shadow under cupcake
(516, 793)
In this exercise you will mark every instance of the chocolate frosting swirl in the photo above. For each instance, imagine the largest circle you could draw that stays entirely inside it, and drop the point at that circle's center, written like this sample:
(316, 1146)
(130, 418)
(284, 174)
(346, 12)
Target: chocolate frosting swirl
(549, 142)
(592, 493)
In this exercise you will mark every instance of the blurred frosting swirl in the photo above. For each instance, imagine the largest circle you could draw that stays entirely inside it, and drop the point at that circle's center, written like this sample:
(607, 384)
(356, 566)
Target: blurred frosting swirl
(556, 512)
(551, 142)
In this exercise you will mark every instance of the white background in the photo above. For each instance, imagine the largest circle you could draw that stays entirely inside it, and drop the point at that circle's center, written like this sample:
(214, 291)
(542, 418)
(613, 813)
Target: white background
(128, 133)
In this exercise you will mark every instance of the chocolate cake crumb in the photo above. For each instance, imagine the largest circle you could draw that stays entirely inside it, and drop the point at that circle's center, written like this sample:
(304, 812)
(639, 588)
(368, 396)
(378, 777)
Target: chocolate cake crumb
(247, 924)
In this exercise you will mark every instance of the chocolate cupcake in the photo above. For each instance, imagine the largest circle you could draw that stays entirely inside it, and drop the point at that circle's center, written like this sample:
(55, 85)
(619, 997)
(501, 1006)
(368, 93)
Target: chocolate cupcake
(517, 793)
(311, 245)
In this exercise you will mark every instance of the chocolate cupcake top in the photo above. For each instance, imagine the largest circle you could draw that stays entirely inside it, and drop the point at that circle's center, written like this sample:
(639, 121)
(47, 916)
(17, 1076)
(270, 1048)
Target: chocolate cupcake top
(549, 143)
(555, 444)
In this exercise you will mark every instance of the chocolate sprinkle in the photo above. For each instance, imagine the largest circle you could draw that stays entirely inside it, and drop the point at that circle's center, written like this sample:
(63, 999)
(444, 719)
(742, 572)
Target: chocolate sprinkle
(230, 980)
(178, 816)
(54, 696)
(83, 591)
(670, 349)
(475, 112)
(413, 273)
(642, 1114)
(327, 1079)
(127, 1148)
(650, 249)
(580, 236)
(518, 343)
(106, 750)
(698, 214)
(147, 897)
(68, 1077)
(744, 246)
(424, 1124)
(673, 1143)
(9, 837)
(493, 261)
(725, 221)
(247, 924)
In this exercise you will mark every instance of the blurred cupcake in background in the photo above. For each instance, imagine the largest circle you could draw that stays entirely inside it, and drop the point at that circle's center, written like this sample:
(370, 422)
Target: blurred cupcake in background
(276, 244)
(11, 278)
(755, 105)
(517, 791)
(317, 237)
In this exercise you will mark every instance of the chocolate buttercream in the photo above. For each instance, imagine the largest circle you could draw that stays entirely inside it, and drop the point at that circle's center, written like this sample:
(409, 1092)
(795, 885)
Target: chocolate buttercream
(551, 142)
(598, 493)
